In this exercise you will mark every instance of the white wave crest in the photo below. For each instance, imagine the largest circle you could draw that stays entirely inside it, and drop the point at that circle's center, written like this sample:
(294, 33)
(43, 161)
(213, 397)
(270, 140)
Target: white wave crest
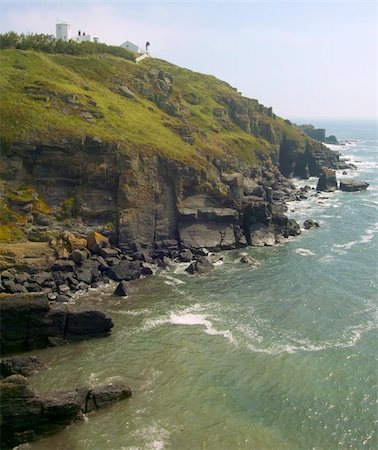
(364, 238)
(304, 252)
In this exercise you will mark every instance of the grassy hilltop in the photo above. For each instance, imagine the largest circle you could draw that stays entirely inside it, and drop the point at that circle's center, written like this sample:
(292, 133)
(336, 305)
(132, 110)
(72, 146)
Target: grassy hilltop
(58, 94)
(149, 107)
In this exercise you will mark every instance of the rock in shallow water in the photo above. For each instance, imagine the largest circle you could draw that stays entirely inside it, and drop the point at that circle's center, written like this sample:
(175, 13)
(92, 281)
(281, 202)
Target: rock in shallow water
(309, 223)
(121, 290)
(27, 415)
(327, 181)
(19, 365)
(353, 185)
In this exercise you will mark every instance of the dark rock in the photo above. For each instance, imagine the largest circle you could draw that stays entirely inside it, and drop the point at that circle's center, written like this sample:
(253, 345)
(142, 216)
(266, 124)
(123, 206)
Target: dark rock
(84, 324)
(63, 289)
(21, 277)
(26, 416)
(146, 271)
(12, 287)
(201, 265)
(248, 260)
(27, 321)
(121, 290)
(41, 277)
(192, 268)
(309, 223)
(42, 220)
(78, 256)
(62, 299)
(109, 252)
(103, 396)
(327, 180)
(125, 270)
(353, 185)
(21, 365)
(63, 265)
(186, 256)
(85, 276)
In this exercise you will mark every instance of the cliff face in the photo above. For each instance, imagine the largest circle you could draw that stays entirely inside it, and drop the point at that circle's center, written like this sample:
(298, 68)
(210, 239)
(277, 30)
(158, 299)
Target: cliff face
(152, 155)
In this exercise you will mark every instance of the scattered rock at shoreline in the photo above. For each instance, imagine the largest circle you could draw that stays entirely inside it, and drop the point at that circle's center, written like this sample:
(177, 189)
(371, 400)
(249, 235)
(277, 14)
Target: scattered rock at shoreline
(353, 185)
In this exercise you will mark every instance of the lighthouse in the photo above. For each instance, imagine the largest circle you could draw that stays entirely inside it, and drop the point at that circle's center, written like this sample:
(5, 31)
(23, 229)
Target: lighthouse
(63, 31)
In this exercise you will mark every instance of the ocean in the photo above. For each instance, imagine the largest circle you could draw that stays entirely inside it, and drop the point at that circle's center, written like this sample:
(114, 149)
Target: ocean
(281, 356)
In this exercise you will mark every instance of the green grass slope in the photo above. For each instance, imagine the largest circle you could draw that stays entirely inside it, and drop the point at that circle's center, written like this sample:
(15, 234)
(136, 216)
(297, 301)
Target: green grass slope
(48, 98)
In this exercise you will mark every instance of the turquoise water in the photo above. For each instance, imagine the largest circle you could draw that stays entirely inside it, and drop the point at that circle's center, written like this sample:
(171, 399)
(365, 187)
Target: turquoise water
(282, 356)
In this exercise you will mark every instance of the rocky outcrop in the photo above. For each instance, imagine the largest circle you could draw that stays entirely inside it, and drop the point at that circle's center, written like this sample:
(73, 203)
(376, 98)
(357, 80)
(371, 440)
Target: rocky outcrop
(27, 416)
(306, 159)
(327, 181)
(19, 365)
(353, 185)
(28, 321)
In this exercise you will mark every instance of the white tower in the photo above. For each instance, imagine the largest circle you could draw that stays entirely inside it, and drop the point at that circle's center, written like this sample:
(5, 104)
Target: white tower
(63, 31)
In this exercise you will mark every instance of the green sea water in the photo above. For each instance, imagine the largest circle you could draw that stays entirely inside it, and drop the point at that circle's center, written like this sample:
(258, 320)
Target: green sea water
(282, 356)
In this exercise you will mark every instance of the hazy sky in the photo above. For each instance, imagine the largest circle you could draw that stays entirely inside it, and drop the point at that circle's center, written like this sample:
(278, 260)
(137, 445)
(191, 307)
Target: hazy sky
(303, 58)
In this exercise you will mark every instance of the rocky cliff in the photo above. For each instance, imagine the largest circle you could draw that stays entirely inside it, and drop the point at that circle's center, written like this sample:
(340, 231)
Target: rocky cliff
(151, 155)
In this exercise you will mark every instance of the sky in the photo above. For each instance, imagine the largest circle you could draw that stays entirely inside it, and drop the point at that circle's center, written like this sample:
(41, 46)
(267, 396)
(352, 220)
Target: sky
(304, 58)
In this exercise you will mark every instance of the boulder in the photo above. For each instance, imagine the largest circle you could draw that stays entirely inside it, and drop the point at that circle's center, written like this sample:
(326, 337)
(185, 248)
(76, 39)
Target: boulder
(246, 259)
(19, 365)
(327, 181)
(309, 223)
(78, 256)
(125, 270)
(121, 289)
(63, 265)
(186, 256)
(192, 268)
(353, 185)
(75, 243)
(108, 252)
(146, 271)
(96, 242)
(103, 396)
(201, 265)
(85, 276)
(262, 235)
(81, 325)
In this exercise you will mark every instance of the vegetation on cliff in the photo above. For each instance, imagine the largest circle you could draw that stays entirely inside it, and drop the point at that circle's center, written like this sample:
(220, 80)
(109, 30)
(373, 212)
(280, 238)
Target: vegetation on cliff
(99, 138)
(154, 107)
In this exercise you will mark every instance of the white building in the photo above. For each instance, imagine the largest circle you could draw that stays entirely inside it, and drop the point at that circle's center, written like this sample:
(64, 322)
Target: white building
(82, 36)
(130, 46)
(63, 31)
